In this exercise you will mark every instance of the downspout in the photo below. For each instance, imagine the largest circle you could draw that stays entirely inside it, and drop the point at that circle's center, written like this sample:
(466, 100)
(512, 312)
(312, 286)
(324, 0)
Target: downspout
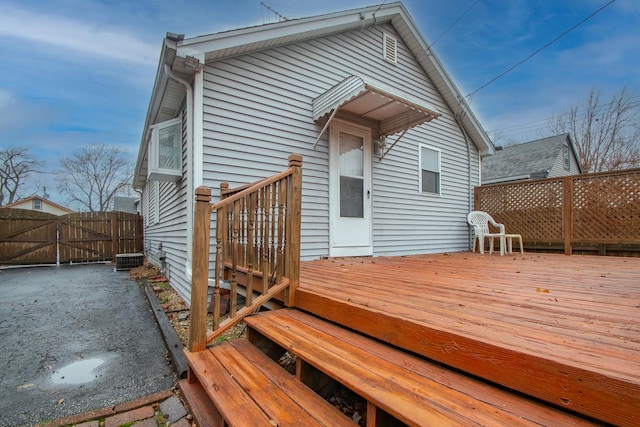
(190, 166)
(467, 143)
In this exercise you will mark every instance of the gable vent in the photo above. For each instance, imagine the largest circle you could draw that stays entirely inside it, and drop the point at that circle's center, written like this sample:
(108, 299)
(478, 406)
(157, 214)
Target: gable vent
(390, 48)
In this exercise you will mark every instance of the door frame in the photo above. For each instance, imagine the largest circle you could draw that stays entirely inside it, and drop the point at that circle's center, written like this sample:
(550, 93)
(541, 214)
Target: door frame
(339, 250)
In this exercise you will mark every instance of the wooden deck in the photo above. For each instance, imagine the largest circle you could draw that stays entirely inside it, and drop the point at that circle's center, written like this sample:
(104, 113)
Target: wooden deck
(563, 329)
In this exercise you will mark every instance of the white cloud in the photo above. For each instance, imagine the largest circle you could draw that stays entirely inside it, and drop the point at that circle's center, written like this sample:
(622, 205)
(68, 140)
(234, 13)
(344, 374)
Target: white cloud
(5, 98)
(90, 38)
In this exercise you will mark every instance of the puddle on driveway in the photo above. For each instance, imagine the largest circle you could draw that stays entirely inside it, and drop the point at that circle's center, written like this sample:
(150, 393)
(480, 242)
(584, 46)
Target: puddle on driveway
(79, 372)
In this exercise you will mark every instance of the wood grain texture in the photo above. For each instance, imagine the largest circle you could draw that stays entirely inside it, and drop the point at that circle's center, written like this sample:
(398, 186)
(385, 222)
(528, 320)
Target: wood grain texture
(248, 388)
(412, 390)
(559, 328)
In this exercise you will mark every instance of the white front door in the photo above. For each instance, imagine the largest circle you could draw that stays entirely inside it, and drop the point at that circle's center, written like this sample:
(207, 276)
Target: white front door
(350, 190)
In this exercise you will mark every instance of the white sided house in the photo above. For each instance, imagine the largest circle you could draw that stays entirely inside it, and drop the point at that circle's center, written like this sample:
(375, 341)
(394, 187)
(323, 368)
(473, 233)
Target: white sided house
(391, 152)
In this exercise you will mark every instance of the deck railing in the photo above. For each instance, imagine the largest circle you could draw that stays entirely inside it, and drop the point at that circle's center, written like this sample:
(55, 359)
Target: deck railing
(599, 210)
(257, 246)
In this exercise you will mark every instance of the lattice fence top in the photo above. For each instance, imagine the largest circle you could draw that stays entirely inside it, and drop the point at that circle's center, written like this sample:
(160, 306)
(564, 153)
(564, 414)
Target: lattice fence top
(532, 209)
(605, 207)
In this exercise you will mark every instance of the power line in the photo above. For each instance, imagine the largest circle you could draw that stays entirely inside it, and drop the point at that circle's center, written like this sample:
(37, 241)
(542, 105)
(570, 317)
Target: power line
(275, 12)
(540, 49)
(454, 23)
(581, 112)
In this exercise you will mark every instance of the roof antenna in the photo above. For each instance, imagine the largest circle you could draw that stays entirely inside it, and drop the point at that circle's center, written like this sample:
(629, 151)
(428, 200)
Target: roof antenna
(275, 12)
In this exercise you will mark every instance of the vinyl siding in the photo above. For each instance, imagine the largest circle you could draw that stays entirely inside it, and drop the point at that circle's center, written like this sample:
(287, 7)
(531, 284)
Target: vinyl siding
(171, 229)
(557, 169)
(257, 111)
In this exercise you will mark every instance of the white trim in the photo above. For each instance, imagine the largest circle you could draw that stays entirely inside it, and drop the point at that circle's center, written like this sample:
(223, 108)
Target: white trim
(420, 168)
(389, 48)
(155, 172)
(198, 125)
(337, 250)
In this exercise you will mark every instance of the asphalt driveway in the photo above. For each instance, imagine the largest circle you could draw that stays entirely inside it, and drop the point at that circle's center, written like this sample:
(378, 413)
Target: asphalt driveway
(75, 339)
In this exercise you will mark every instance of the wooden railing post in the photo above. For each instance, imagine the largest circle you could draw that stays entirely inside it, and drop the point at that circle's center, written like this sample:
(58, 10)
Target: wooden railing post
(200, 270)
(567, 214)
(294, 214)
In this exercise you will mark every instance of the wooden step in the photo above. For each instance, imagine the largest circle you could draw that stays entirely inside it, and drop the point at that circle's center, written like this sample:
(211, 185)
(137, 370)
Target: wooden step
(249, 389)
(408, 389)
(200, 406)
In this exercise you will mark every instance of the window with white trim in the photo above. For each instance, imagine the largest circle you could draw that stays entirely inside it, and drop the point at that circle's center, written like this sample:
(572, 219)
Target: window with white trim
(565, 158)
(165, 151)
(429, 170)
(37, 204)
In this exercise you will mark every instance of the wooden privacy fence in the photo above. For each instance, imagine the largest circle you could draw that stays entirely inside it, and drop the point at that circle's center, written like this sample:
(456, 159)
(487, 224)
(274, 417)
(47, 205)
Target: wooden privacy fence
(591, 212)
(257, 246)
(31, 237)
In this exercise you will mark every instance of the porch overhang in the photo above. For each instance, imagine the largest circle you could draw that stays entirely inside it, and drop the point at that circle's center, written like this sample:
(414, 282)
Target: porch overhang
(395, 113)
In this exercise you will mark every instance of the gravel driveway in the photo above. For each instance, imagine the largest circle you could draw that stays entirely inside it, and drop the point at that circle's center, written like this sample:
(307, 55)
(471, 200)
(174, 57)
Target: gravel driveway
(74, 339)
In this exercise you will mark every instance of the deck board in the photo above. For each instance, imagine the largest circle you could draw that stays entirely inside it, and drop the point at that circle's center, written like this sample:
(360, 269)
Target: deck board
(565, 329)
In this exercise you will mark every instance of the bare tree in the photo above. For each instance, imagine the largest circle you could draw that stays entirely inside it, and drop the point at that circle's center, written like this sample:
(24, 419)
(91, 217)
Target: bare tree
(93, 175)
(16, 165)
(606, 134)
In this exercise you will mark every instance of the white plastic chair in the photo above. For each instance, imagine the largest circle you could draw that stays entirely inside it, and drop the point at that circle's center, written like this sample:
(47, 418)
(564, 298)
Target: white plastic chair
(480, 222)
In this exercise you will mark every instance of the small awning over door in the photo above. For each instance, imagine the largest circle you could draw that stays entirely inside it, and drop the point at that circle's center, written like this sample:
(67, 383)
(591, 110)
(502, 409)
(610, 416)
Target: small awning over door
(395, 113)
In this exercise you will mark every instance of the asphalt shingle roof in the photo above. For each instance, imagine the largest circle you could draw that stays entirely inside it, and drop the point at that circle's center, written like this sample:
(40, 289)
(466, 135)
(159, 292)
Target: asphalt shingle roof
(534, 158)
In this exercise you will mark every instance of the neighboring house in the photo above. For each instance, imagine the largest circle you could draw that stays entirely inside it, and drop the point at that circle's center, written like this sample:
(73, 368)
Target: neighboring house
(41, 204)
(543, 158)
(126, 204)
(391, 151)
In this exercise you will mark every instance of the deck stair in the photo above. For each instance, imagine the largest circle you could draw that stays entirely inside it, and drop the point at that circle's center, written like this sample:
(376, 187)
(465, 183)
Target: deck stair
(248, 387)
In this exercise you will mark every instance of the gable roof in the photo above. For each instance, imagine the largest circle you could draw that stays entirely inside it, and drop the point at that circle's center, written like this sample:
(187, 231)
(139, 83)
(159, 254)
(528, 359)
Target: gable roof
(168, 95)
(42, 199)
(530, 160)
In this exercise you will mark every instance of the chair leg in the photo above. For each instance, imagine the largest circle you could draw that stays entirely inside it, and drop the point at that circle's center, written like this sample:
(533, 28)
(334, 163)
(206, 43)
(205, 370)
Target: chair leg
(521, 248)
(481, 244)
(502, 243)
(490, 245)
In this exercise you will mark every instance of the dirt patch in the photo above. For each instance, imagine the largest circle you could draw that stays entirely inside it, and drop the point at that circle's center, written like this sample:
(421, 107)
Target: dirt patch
(174, 306)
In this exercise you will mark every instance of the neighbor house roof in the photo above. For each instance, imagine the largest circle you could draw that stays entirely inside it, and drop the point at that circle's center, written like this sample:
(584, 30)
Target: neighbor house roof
(22, 204)
(168, 95)
(530, 160)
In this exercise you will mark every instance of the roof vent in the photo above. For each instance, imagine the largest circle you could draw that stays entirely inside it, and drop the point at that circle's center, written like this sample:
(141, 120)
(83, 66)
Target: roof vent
(390, 48)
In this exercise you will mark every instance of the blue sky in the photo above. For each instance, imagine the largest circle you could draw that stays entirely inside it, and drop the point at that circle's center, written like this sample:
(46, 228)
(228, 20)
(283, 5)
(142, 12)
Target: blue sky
(77, 72)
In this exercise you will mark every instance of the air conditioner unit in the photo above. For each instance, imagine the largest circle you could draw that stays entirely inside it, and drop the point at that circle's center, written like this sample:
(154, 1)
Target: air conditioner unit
(129, 261)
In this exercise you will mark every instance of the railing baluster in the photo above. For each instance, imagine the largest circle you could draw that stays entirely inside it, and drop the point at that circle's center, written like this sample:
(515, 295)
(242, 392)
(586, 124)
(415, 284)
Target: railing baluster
(251, 202)
(242, 259)
(233, 294)
(274, 218)
(267, 229)
(216, 289)
(256, 234)
(282, 204)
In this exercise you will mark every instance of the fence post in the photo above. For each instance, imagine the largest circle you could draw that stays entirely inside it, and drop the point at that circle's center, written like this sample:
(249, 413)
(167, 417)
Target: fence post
(567, 213)
(115, 237)
(294, 214)
(200, 270)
